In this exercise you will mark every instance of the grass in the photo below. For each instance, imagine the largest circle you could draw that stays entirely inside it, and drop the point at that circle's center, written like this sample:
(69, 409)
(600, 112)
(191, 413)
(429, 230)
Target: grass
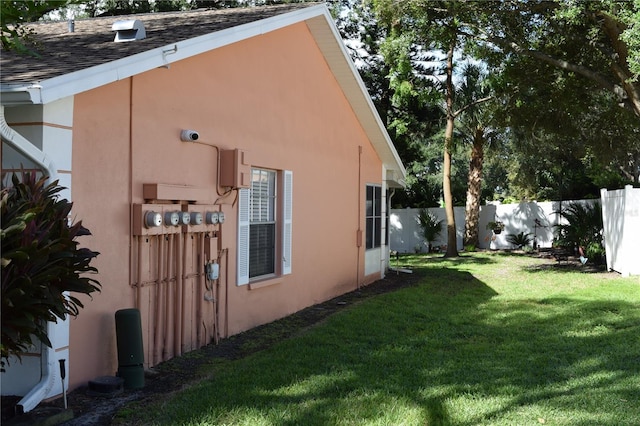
(487, 339)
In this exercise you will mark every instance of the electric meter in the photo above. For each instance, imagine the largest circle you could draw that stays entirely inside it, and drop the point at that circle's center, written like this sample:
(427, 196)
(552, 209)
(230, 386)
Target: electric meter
(172, 218)
(196, 218)
(212, 218)
(185, 218)
(152, 219)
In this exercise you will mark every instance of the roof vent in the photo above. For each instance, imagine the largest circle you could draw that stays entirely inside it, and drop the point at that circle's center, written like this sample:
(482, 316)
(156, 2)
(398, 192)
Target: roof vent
(130, 30)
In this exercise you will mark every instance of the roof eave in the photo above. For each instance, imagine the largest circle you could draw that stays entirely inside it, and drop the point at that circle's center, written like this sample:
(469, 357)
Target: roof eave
(330, 42)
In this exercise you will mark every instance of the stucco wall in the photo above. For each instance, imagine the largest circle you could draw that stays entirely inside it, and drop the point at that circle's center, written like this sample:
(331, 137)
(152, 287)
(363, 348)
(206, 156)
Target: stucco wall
(274, 97)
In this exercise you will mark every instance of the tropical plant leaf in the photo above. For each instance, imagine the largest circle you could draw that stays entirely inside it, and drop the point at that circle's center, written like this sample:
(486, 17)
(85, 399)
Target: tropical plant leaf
(42, 263)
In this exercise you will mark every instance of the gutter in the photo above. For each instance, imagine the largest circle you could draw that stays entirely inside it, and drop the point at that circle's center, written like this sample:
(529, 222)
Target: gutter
(48, 370)
(20, 94)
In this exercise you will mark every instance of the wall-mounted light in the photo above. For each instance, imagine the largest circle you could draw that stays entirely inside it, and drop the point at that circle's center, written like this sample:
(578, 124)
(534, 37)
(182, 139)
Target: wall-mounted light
(152, 219)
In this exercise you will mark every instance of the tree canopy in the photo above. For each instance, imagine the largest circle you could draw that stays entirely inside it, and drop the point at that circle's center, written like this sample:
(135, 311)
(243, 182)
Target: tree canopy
(561, 71)
(564, 74)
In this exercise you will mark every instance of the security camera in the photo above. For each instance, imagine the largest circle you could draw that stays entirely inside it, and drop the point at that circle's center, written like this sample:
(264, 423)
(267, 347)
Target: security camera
(189, 135)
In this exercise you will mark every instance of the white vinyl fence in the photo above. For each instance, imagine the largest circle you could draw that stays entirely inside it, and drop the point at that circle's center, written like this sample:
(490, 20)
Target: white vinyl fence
(621, 220)
(406, 236)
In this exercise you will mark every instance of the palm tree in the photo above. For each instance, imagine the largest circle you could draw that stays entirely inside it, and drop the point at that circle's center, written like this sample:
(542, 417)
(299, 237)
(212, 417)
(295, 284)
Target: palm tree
(474, 126)
(583, 228)
(431, 227)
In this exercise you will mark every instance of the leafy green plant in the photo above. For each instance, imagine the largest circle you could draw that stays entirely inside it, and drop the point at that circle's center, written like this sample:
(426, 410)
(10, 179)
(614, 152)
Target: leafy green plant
(595, 252)
(520, 240)
(42, 265)
(13, 17)
(496, 227)
(583, 228)
(431, 227)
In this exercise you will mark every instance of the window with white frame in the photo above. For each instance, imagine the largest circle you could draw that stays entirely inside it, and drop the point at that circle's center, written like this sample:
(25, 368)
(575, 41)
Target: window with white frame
(373, 216)
(264, 226)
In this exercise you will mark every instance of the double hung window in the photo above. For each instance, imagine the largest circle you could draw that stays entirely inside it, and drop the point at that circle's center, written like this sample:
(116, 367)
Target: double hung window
(264, 226)
(373, 216)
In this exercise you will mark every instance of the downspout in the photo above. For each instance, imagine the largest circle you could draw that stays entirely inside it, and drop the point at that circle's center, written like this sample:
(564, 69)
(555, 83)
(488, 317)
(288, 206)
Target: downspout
(388, 230)
(359, 236)
(47, 359)
(26, 148)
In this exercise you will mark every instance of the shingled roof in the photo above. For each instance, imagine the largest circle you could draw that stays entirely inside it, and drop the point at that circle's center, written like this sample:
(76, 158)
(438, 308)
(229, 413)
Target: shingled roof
(63, 52)
(74, 62)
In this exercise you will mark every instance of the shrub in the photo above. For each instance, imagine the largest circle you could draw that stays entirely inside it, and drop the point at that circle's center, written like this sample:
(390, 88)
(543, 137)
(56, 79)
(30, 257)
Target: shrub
(520, 240)
(431, 226)
(42, 265)
(583, 228)
(595, 252)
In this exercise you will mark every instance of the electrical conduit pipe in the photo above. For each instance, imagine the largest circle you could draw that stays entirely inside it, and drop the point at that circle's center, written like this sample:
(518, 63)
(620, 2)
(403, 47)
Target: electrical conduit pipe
(48, 362)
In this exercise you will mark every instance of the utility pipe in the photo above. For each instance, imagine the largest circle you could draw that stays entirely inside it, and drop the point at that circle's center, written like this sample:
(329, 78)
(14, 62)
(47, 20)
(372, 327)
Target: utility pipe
(157, 338)
(183, 293)
(359, 235)
(177, 321)
(209, 287)
(198, 285)
(168, 342)
(226, 294)
(48, 368)
(201, 276)
(138, 278)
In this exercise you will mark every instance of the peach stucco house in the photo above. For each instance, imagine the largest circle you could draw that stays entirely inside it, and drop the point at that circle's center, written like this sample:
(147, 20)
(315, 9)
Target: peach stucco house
(291, 160)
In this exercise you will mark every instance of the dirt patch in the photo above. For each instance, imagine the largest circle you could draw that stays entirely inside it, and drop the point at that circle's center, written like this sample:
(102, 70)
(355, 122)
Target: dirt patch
(179, 372)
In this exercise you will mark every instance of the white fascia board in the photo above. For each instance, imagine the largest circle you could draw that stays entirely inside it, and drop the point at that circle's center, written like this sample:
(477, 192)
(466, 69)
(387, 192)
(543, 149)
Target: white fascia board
(100, 75)
(349, 79)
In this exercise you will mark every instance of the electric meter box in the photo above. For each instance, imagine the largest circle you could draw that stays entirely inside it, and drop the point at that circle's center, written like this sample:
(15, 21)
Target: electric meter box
(235, 168)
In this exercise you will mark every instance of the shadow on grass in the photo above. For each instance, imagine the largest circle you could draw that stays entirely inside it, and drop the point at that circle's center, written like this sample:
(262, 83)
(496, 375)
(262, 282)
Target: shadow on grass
(567, 266)
(421, 261)
(446, 352)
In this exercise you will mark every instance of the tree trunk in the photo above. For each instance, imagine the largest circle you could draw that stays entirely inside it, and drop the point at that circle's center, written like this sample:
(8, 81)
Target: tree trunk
(452, 240)
(474, 184)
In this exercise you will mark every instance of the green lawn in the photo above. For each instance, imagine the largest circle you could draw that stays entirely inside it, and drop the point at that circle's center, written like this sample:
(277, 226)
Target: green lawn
(486, 339)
